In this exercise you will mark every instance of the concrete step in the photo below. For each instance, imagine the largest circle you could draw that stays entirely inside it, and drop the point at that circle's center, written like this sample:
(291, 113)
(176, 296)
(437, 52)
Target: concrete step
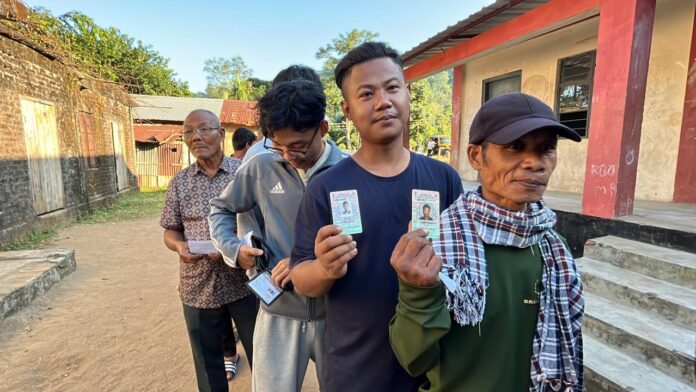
(24, 275)
(642, 335)
(666, 264)
(675, 303)
(609, 370)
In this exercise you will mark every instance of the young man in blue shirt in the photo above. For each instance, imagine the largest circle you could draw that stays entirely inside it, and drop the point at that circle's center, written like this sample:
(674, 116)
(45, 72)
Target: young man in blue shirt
(353, 271)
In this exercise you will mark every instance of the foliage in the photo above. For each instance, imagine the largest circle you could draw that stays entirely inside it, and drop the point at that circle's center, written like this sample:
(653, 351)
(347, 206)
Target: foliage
(431, 108)
(231, 78)
(260, 87)
(106, 53)
(331, 54)
(35, 240)
(128, 207)
(345, 135)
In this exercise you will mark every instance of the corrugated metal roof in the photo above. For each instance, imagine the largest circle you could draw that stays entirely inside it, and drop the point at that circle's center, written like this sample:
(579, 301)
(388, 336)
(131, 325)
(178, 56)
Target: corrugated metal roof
(239, 112)
(488, 17)
(156, 133)
(159, 108)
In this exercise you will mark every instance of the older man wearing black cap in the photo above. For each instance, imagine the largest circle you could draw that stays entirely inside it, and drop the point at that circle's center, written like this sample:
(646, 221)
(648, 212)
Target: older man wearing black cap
(497, 303)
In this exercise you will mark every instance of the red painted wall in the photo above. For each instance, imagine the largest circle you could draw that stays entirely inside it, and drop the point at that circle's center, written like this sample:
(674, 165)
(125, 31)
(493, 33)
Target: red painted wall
(685, 178)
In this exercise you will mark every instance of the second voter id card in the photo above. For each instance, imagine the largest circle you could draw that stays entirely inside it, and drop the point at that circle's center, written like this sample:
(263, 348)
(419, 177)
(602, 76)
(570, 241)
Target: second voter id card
(425, 212)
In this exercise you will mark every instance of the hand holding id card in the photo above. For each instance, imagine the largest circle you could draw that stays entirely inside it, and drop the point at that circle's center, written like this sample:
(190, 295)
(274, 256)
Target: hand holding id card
(425, 212)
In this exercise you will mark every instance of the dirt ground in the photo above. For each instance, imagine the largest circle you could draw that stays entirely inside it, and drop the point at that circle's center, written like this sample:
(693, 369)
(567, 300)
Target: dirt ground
(115, 324)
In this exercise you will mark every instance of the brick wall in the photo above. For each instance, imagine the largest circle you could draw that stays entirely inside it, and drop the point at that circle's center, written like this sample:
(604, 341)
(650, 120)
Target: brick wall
(28, 74)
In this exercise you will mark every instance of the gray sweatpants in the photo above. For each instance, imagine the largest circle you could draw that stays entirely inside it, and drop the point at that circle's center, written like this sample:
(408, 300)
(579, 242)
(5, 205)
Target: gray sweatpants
(282, 350)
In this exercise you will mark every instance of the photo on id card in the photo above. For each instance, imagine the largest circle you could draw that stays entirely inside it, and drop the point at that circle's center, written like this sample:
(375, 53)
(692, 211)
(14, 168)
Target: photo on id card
(345, 211)
(425, 212)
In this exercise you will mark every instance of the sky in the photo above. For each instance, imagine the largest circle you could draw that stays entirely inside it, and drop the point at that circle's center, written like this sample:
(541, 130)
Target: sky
(268, 35)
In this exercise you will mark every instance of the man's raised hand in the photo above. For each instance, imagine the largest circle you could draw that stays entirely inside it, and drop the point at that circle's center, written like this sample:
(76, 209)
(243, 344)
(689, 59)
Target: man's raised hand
(415, 261)
(334, 250)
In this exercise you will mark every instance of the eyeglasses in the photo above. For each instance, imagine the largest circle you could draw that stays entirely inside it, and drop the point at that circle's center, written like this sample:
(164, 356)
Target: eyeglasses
(292, 152)
(188, 134)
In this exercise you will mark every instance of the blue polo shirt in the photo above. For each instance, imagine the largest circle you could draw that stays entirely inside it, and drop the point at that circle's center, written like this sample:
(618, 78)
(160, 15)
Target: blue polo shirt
(358, 355)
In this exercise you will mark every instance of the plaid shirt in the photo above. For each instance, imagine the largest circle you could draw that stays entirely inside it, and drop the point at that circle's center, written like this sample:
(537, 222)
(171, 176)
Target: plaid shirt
(204, 284)
(556, 362)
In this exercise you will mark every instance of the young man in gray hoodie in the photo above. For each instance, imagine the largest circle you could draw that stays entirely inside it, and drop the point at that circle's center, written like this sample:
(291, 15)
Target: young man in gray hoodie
(291, 330)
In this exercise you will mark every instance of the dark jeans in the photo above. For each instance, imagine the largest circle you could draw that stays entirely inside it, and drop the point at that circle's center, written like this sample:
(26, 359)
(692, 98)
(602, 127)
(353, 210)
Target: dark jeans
(206, 329)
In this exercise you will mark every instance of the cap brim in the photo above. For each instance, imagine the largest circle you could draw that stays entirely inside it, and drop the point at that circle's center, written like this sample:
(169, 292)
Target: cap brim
(522, 127)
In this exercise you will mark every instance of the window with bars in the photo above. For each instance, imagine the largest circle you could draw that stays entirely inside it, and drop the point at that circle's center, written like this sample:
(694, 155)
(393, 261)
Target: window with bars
(574, 94)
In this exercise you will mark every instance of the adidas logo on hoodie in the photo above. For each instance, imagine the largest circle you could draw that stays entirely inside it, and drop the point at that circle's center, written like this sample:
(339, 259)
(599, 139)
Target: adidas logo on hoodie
(278, 188)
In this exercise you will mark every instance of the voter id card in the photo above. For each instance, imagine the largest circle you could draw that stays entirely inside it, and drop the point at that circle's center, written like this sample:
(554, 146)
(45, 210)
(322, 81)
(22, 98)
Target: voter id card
(263, 286)
(425, 212)
(345, 211)
(201, 247)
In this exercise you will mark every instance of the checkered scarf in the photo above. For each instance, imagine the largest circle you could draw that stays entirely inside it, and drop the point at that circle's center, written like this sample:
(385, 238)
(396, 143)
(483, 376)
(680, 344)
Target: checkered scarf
(556, 362)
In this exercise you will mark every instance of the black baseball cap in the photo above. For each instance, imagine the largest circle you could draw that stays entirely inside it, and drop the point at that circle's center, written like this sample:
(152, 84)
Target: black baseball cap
(508, 117)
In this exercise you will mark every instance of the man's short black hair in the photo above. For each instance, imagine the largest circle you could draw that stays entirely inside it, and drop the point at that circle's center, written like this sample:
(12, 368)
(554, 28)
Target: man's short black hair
(364, 52)
(297, 72)
(242, 137)
(426, 206)
(296, 104)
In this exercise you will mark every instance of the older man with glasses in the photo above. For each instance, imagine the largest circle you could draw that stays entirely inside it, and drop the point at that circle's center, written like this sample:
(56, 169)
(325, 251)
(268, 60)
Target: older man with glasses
(210, 291)
(290, 330)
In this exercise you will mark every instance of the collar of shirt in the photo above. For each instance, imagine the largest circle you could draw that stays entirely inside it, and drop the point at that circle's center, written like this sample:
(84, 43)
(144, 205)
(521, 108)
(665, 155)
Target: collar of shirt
(306, 175)
(225, 165)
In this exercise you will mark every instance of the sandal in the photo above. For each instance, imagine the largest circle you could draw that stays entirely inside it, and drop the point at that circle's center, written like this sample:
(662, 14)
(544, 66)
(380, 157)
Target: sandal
(231, 367)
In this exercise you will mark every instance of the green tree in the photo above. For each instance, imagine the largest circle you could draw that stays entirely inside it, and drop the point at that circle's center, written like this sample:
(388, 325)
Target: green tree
(231, 78)
(227, 77)
(260, 87)
(431, 108)
(106, 53)
(332, 54)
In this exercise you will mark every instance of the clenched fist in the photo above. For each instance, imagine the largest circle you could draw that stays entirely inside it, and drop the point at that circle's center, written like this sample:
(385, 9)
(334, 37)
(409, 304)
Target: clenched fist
(415, 261)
